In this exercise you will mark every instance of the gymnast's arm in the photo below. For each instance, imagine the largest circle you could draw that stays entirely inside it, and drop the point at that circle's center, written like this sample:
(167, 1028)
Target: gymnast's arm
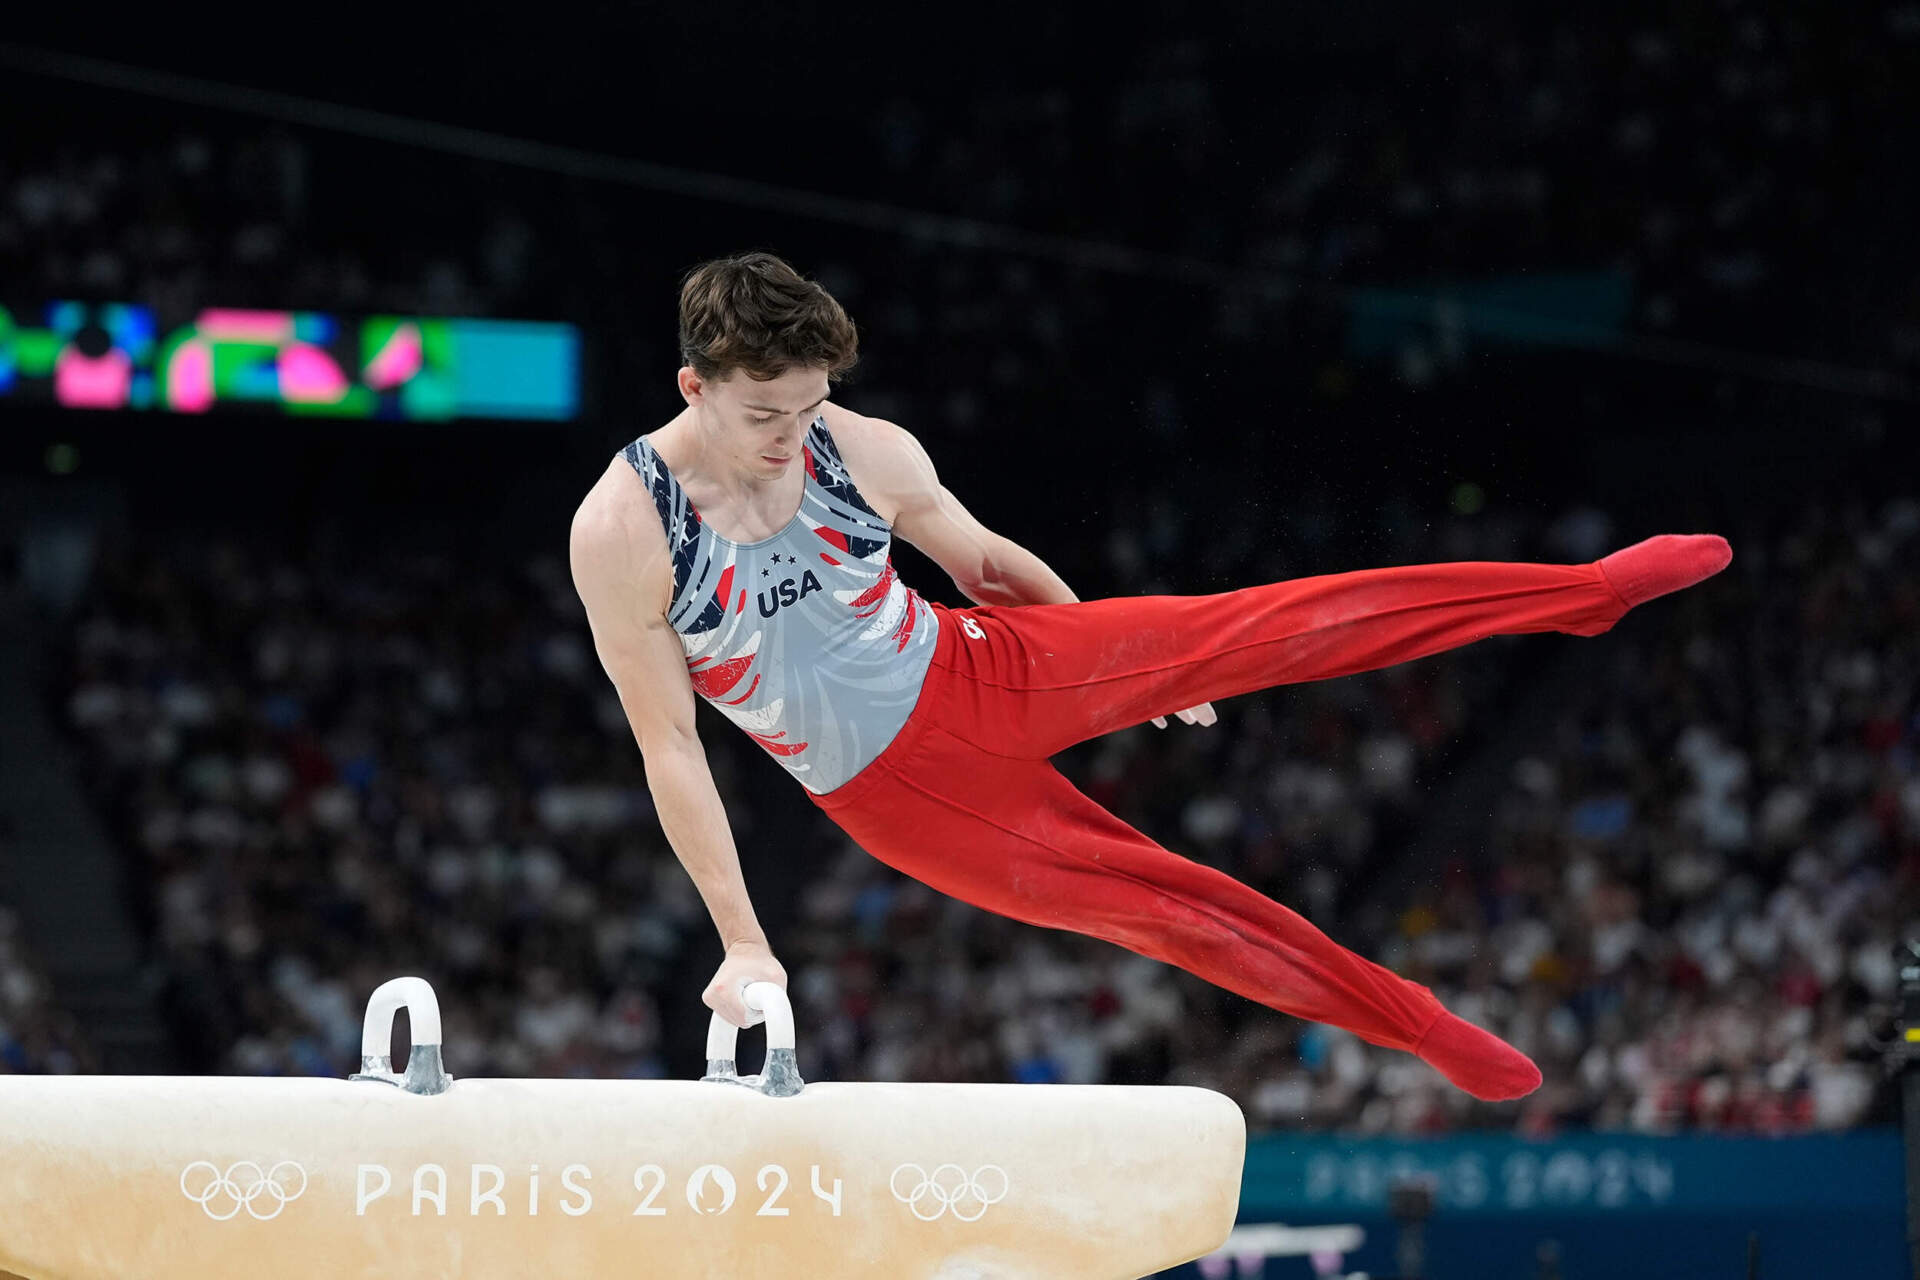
(622, 580)
(988, 568)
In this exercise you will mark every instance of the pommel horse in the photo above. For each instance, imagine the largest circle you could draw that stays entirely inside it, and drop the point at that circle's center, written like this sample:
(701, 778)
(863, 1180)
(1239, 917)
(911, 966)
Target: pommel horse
(412, 1175)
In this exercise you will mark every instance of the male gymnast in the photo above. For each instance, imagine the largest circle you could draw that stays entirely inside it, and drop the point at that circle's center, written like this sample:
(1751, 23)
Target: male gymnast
(741, 552)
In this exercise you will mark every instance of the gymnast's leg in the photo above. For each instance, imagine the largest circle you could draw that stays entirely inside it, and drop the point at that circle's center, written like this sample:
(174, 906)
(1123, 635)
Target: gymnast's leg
(1048, 676)
(1017, 838)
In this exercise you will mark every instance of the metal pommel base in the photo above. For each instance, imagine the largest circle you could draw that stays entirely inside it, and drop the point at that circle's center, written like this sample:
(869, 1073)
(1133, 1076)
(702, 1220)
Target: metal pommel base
(779, 1078)
(426, 1074)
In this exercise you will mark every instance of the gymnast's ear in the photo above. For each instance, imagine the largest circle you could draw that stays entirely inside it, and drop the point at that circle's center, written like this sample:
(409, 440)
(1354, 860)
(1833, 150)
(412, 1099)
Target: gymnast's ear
(693, 387)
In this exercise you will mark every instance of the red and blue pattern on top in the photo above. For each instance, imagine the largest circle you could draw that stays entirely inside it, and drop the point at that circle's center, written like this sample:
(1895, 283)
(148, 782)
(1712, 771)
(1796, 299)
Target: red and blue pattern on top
(807, 640)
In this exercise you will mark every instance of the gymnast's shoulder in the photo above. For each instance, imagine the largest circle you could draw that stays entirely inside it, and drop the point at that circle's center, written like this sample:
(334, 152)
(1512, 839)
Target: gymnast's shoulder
(886, 463)
(617, 545)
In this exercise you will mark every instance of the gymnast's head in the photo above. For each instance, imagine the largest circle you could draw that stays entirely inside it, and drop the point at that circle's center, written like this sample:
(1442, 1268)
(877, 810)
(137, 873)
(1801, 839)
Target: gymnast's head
(760, 346)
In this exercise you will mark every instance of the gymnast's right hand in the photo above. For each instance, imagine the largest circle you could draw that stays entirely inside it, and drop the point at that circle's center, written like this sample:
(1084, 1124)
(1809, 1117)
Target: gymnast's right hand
(746, 962)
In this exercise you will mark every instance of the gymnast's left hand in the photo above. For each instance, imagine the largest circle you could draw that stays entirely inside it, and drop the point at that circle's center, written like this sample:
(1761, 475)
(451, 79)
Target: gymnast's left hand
(746, 962)
(1202, 714)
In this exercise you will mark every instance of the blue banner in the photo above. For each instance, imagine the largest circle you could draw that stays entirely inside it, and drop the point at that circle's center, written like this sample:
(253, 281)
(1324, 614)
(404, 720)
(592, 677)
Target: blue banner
(1597, 1173)
(1591, 1206)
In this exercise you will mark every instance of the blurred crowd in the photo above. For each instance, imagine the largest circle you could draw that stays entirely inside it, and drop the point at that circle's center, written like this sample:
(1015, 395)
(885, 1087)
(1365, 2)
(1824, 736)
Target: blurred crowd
(186, 217)
(1712, 152)
(1686, 912)
(326, 778)
(1694, 887)
(1719, 158)
(329, 773)
(36, 1035)
(328, 770)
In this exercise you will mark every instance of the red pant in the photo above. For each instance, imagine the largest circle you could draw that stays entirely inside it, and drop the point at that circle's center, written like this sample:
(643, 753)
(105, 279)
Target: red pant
(963, 799)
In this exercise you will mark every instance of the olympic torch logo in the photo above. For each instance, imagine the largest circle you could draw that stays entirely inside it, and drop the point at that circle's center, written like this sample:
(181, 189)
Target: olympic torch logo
(262, 1193)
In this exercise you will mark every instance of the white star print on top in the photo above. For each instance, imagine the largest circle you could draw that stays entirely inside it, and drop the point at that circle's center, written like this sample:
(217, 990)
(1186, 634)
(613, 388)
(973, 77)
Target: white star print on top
(807, 640)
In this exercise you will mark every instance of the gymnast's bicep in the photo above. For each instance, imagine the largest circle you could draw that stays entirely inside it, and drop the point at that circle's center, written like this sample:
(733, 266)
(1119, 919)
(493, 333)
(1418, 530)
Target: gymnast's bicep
(623, 587)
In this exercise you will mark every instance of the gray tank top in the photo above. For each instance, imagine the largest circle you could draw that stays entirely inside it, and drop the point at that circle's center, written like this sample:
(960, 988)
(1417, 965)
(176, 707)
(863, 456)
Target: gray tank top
(807, 640)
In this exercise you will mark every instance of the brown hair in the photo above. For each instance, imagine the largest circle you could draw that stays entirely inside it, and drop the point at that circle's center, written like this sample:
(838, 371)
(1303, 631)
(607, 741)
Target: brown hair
(754, 312)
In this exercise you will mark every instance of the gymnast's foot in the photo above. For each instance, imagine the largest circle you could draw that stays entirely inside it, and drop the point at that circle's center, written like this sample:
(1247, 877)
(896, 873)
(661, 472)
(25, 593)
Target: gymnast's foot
(1481, 1063)
(1664, 563)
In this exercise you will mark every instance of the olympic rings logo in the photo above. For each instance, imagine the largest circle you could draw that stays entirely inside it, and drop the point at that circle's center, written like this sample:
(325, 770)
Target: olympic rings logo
(243, 1186)
(934, 1195)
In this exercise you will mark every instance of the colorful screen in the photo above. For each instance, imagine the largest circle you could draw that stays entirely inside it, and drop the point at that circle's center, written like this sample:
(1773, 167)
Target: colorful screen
(113, 356)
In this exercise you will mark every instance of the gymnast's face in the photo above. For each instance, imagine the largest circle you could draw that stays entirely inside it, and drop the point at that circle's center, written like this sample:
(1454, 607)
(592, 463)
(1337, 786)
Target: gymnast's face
(756, 426)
